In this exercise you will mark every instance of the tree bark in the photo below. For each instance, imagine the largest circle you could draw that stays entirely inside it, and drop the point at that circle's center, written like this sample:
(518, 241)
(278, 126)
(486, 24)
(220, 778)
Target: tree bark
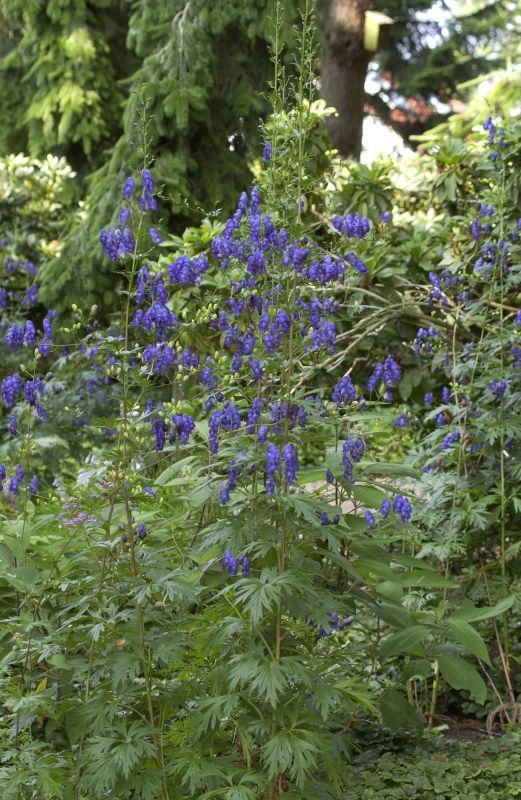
(344, 68)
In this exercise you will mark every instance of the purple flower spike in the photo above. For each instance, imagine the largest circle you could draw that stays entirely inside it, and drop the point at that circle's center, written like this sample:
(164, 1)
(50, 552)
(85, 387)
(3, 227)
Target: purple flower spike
(291, 462)
(370, 519)
(128, 188)
(230, 563)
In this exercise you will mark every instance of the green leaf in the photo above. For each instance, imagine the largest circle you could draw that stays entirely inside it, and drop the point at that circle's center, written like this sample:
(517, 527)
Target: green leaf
(390, 469)
(427, 580)
(404, 640)
(466, 635)
(397, 712)
(460, 674)
(393, 590)
(294, 751)
(368, 496)
(260, 674)
(394, 615)
(473, 614)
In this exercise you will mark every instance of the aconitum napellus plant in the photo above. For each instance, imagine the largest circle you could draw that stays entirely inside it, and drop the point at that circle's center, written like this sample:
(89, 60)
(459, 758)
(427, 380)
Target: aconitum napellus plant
(223, 393)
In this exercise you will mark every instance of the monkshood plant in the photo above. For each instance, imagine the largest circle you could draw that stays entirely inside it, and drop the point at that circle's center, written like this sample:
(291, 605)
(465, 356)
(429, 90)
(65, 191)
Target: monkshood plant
(183, 608)
(188, 612)
(215, 416)
(281, 565)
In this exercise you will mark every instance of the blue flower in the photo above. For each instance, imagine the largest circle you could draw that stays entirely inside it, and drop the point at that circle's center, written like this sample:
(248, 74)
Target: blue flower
(385, 507)
(11, 388)
(272, 467)
(148, 201)
(357, 263)
(370, 519)
(155, 236)
(230, 563)
(158, 316)
(231, 483)
(262, 434)
(253, 415)
(402, 507)
(499, 388)
(266, 153)
(352, 227)
(159, 429)
(117, 243)
(256, 369)
(344, 392)
(291, 463)
(183, 425)
(128, 188)
(186, 271)
(245, 566)
(449, 440)
(352, 449)
(388, 372)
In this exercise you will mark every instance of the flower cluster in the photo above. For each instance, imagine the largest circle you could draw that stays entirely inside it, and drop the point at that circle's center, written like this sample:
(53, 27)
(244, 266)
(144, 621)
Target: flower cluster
(231, 564)
(424, 340)
(117, 243)
(352, 450)
(491, 129)
(344, 392)
(334, 623)
(388, 373)
(352, 226)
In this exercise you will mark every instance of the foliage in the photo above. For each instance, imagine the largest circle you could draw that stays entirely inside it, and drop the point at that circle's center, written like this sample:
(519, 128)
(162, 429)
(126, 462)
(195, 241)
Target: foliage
(220, 546)
(445, 770)
(79, 73)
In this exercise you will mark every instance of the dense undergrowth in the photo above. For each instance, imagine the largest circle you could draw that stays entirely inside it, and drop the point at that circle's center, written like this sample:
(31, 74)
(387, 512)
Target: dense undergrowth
(275, 488)
(447, 770)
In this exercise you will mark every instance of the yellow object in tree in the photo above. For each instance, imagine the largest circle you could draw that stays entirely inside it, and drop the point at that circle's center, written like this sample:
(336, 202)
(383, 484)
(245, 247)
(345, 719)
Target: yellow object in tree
(373, 21)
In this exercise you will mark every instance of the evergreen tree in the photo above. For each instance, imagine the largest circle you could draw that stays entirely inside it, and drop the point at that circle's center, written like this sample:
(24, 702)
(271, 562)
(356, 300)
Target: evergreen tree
(76, 74)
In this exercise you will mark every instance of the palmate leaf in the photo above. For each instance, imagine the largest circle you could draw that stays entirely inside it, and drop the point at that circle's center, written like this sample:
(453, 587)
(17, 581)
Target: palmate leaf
(262, 675)
(51, 781)
(197, 772)
(294, 750)
(99, 776)
(241, 793)
(260, 596)
(131, 752)
(212, 709)
(107, 757)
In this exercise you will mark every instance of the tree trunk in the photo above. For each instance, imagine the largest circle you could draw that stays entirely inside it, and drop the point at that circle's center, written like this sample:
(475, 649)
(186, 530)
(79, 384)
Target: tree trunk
(343, 72)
